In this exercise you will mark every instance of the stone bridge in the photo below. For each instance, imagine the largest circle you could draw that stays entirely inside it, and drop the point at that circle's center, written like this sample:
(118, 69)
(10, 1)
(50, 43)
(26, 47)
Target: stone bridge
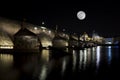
(9, 27)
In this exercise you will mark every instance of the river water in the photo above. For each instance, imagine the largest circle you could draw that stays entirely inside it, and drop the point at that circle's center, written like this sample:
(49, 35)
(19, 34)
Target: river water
(96, 63)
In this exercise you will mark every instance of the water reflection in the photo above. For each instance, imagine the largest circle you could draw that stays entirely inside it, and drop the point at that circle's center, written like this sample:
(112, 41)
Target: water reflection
(65, 61)
(109, 54)
(93, 55)
(98, 56)
(74, 59)
(81, 58)
(45, 55)
(43, 73)
(41, 66)
(6, 59)
(44, 67)
(89, 56)
(85, 58)
(63, 66)
(7, 72)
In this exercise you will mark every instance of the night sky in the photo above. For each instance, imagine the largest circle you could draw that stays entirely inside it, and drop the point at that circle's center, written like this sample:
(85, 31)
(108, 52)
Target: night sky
(103, 17)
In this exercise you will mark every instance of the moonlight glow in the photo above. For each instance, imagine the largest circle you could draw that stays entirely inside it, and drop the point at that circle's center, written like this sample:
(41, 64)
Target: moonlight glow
(81, 15)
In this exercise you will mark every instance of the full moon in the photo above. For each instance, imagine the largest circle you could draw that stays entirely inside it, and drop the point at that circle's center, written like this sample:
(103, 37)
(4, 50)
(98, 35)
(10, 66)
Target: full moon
(81, 15)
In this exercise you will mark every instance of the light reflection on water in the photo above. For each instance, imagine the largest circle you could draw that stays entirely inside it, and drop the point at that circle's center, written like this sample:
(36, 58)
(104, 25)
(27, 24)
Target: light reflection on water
(87, 57)
(45, 55)
(40, 66)
(64, 65)
(43, 73)
(81, 58)
(109, 54)
(98, 55)
(7, 72)
(74, 59)
(6, 59)
(84, 58)
(44, 68)
(93, 54)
